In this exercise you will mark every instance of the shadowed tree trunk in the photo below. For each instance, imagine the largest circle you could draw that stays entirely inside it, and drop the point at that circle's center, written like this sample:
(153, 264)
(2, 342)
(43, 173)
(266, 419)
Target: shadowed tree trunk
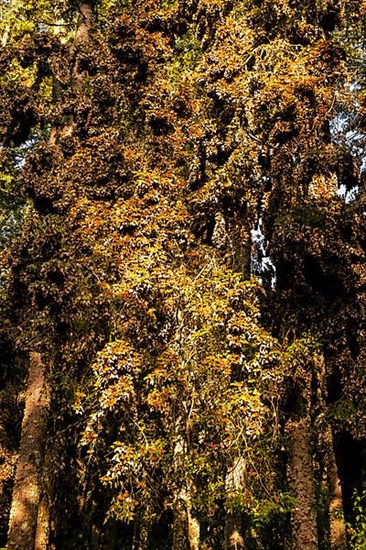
(301, 482)
(240, 244)
(336, 516)
(193, 531)
(337, 526)
(82, 35)
(43, 524)
(142, 531)
(24, 533)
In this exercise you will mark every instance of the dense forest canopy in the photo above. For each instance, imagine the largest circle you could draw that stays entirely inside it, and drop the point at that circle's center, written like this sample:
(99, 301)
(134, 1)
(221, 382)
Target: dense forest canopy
(182, 275)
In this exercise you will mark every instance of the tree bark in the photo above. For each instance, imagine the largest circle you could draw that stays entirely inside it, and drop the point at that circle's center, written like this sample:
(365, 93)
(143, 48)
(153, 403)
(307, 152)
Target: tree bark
(240, 244)
(43, 525)
(234, 539)
(84, 22)
(84, 26)
(301, 482)
(142, 531)
(82, 36)
(193, 530)
(56, 90)
(180, 524)
(186, 528)
(337, 524)
(27, 492)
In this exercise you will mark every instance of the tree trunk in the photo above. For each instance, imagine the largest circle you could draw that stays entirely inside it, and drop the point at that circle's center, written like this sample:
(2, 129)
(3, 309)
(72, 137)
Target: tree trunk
(44, 512)
(142, 531)
(180, 524)
(193, 530)
(56, 89)
(43, 524)
(301, 482)
(240, 245)
(82, 35)
(186, 528)
(24, 534)
(84, 22)
(337, 525)
(233, 524)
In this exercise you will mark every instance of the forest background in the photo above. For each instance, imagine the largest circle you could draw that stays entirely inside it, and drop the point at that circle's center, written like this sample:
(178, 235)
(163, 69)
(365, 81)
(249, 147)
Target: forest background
(182, 294)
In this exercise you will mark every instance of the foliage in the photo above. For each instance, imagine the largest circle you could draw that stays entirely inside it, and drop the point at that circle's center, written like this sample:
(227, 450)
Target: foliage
(201, 385)
(357, 530)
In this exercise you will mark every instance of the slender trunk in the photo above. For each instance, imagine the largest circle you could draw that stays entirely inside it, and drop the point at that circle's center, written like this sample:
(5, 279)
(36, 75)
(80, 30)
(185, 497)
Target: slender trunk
(180, 523)
(301, 482)
(7, 11)
(336, 516)
(193, 529)
(82, 36)
(5, 36)
(84, 22)
(56, 87)
(94, 542)
(56, 96)
(240, 244)
(233, 524)
(142, 531)
(27, 492)
(337, 526)
(186, 531)
(186, 528)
